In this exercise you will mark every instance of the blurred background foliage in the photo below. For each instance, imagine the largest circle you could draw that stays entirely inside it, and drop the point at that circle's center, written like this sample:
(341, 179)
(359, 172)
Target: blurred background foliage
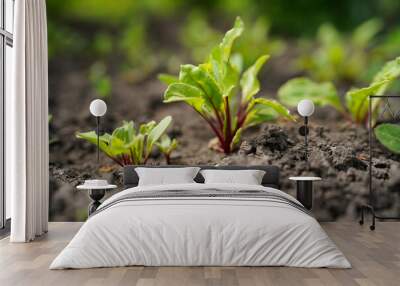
(341, 41)
(333, 56)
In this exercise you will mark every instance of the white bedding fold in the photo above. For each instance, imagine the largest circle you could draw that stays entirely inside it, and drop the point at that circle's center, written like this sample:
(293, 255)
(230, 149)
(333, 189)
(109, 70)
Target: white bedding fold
(200, 231)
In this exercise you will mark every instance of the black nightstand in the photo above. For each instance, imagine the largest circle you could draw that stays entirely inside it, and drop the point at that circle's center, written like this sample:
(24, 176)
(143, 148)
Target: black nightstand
(96, 193)
(304, 192)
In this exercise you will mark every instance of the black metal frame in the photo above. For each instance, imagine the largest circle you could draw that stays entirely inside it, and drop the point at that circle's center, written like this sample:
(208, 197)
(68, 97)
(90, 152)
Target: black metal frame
(98, 139)
(305, 138)
(370, 206)
(6, 39)
(303, 131)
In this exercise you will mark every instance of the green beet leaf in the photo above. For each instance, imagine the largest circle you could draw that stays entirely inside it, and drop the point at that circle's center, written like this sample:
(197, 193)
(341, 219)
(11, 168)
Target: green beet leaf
(297, 89)
(249, 82)
(357, 100)
(389, 136)
(155, 133)
(389, 72)
(167, 78)
(166, 146)
(365, 33)
(220, 55)
(190, 94)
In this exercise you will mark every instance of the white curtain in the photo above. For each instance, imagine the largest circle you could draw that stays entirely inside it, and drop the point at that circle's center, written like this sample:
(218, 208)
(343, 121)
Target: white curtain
(27, 124)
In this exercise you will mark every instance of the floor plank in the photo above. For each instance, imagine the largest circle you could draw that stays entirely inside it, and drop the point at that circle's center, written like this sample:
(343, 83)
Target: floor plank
(375, 257)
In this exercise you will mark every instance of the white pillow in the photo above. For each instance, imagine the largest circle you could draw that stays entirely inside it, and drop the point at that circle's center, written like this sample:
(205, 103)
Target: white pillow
(164, 176)
(248, 177)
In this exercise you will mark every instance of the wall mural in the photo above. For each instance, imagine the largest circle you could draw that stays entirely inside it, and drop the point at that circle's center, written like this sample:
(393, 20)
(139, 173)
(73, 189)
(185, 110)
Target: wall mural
(210, 84)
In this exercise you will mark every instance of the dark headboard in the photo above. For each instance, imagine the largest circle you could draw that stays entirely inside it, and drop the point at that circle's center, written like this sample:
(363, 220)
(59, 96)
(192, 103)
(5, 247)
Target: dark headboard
(271, 177)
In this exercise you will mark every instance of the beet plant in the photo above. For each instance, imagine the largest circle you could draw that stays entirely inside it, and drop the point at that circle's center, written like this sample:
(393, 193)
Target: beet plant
(355, 106)
(127, 145)
(166, 145)
(222, 94)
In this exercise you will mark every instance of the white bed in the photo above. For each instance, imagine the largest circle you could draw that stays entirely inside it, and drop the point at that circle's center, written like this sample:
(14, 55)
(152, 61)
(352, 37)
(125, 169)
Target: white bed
(202, 231)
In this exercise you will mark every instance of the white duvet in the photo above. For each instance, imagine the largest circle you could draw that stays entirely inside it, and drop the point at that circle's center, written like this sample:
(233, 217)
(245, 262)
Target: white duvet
(200, 231)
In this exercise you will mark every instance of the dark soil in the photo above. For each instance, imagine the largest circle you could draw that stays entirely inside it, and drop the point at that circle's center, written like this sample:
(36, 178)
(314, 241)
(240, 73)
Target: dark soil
(338, 150)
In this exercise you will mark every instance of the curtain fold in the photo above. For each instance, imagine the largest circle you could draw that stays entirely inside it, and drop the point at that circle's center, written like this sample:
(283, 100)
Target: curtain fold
(27, 124)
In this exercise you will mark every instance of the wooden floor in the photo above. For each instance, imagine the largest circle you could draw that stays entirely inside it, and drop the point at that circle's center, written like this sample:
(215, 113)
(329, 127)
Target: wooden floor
(375, 257)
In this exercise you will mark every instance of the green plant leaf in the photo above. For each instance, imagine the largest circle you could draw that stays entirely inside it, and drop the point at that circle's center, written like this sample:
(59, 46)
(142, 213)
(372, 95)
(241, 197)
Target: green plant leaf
(182, 92)
(105, 143)
(259, 115)
(230, 80)
(88, 136)
(185, 74)
(275, 105)
(389, 72)
(187, 93)
(389, 136)
(207, 84)
(220, 55)
(236, 138)
(357, 100)
(202, 80)
(297, 89)
(137, 149)
(249, 82)
(222, 52)
(125, 132)
(166, 145)
(262, 109)
(364, 33)
(146, 128)
(328, 35)
(236, 62)
(167, 78)
(155, 134)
